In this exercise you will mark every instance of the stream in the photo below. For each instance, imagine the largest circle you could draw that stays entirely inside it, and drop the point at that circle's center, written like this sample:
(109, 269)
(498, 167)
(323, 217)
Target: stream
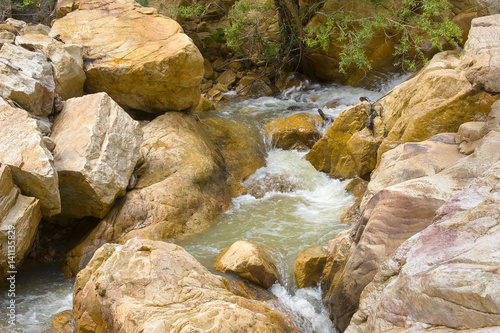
(284, 222)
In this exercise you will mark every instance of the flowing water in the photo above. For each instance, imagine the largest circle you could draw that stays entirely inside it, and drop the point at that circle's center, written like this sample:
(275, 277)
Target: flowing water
(304, 211)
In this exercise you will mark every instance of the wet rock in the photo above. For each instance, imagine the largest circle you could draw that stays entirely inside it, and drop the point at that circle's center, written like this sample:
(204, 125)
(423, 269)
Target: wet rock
(362, 148)
(300, 131)
(97, 149)
(254, 85)
(23, 149)
(19, 218)
(329, 154)
(141, 59)
(156, 287)
(269, 183)
(63, 322)
(242, 148)
(250, 262)
(449, 268)
(27, 78)
(66, 59)
(181, 189)
(288, 80)
(391, 217)
(309, 266)
(413, 160)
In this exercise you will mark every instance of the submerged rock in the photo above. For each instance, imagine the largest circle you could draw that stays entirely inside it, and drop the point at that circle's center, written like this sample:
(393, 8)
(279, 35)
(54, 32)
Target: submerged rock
(445, 277)
(250, 262)
(309, 266)
(97, 149)
(23, 149)
(141, 59)
(158, 287)
(19, 218)
(300, 131)
(181, 189)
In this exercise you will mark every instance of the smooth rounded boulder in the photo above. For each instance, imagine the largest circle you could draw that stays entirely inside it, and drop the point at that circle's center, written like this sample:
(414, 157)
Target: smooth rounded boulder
(141, 59)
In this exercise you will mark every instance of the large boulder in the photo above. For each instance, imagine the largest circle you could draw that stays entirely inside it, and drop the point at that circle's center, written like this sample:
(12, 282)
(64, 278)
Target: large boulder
(299, 131)
(66, 60)
(23, 149)
(97, 149)
(452, 89)
(19, 218)
(148, 286)
(413, 160)
(392, 216)
(141, 59)
(445, 278)
(181, 189)
(242, 148)
(27, 78)
(309, 266)
(250, 262)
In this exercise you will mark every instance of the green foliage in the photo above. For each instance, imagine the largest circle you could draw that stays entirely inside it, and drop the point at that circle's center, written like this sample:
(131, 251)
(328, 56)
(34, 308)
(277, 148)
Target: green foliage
(217, 37)
(143, 3)
(24, 4)
(189, 11)
(412, 24)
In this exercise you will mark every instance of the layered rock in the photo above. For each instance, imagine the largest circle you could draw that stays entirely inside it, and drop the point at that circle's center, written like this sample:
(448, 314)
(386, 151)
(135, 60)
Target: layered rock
(66, 59)
(27, 78)
(19, 218)
(23, 149)
(250, 262)
(181, 188)
(242, 148)
(97, 149)
(445, 277)
(141, 59)
(309, 266)
(157, 287)
(299, 131)
(392, 216)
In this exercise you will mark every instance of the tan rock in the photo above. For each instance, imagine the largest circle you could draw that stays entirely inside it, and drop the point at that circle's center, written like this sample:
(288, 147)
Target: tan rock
(250, 262)
(209, 71)
(181, 189)
(309, 266)
(66, 59)
(35, 29)
(299, 131)
(19, 218)
(254, 86)
(391, 217)
(63, 322)
(413, 160)
(362, 147)
(329, 154)
(23, 149)
(9, 28)
(483, 36)
(158, 287)
(227, 78)
(7, 37)
(468, 135)
(97, 149)
(18, 24)
(242, 148)
(27, 79)
(445, 278)
(143, 61)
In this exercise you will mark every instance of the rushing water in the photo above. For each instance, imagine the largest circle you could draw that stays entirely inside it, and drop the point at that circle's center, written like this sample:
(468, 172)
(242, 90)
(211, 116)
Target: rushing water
(304, 211)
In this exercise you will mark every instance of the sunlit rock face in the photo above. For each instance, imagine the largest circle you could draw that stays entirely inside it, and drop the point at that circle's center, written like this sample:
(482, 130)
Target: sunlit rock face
(141, 59)
(154, 286)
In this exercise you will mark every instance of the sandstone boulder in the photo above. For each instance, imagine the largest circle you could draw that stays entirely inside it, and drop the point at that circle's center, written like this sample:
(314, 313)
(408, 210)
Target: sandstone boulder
(66, 59)
(445, 277)
(309, 266)
(468, 135)
(158, 287)
(19, 218)
(63, 322)
(250, 262)
(23, 149)
(7, 37)
(27, 78)
(413, 160)
(242, 148)
(181, 189)
(330, 154)
(391, 217)
(141, 59)
(97, 149)
(299, 131)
